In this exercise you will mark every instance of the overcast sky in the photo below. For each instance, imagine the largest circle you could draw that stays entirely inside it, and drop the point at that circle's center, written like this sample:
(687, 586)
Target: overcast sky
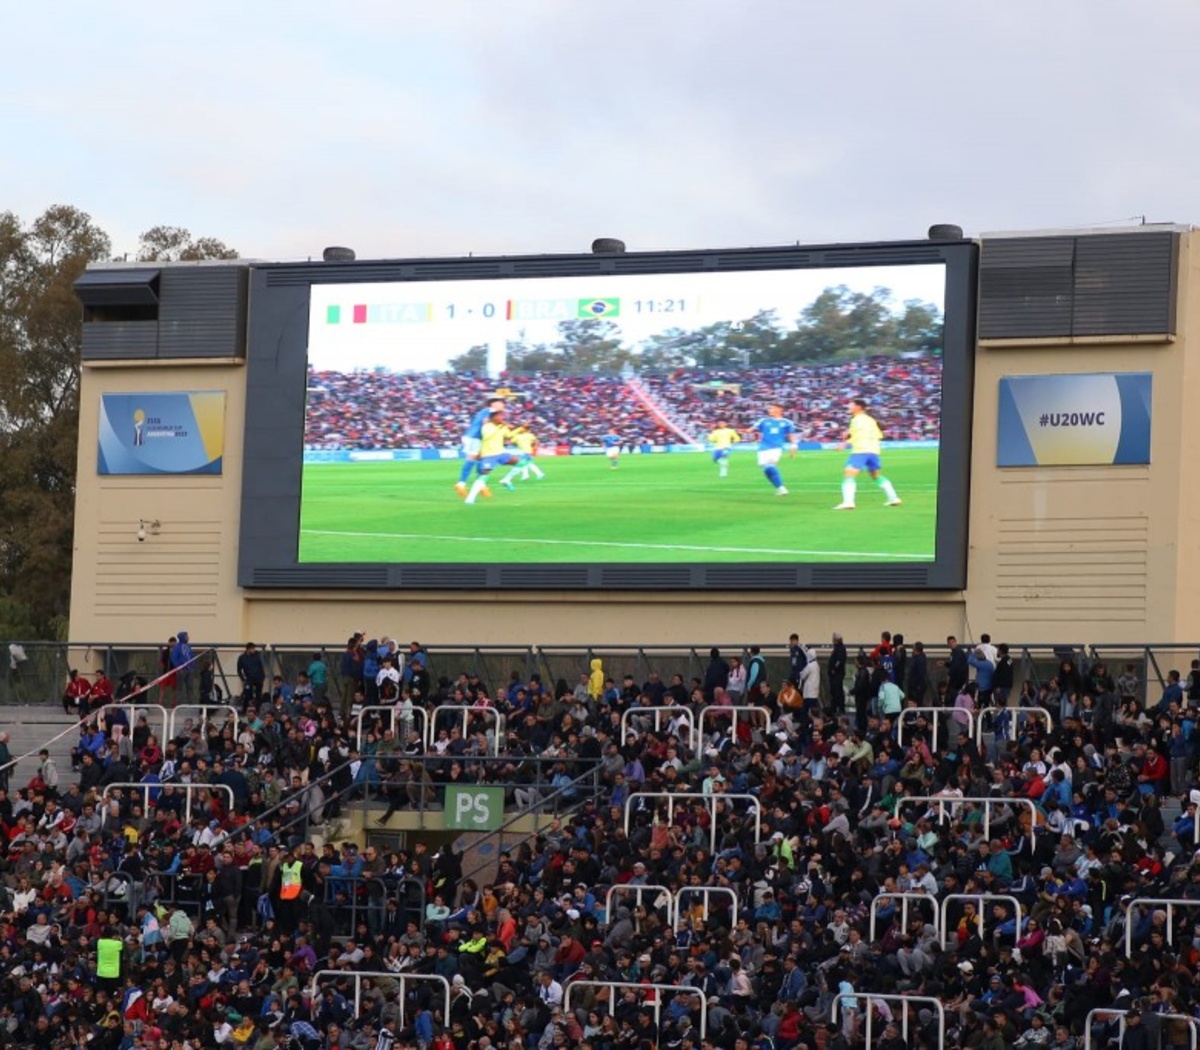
(418, 127)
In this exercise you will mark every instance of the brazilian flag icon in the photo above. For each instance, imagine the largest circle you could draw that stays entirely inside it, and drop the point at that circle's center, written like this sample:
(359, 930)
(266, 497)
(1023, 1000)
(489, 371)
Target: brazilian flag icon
(599, 307)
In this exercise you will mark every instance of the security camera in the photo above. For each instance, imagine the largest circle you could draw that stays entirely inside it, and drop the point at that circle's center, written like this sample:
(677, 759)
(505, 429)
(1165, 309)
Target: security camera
(141, 534)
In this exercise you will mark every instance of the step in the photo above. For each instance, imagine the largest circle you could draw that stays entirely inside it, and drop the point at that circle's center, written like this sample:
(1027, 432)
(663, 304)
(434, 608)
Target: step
(30, 727)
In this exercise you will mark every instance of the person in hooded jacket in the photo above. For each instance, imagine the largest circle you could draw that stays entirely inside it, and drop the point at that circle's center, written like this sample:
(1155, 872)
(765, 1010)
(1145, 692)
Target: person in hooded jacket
(181, 662)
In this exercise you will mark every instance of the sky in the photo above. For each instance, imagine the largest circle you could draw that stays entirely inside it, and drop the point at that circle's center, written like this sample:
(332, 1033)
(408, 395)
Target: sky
(412, 127)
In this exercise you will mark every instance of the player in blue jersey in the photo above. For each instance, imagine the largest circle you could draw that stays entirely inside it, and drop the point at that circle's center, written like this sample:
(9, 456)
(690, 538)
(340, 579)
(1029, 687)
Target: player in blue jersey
(612, 449)
(774, 434)
(471, 441)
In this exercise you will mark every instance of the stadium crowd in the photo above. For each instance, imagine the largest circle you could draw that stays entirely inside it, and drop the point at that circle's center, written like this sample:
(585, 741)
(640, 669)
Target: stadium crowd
(379, 410)
(124, 926)
(904, 394)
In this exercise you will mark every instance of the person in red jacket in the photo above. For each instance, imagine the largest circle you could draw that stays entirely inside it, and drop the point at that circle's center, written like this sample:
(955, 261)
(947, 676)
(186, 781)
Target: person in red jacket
(101, 691)
(75, 696)
(1155, 773)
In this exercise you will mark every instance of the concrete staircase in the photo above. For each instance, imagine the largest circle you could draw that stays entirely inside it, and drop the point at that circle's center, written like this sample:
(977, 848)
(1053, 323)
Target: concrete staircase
(30, 727)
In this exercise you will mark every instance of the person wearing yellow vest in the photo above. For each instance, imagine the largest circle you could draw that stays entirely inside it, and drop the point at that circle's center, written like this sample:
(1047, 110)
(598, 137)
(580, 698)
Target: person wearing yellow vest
(108, 962)
(287, 887)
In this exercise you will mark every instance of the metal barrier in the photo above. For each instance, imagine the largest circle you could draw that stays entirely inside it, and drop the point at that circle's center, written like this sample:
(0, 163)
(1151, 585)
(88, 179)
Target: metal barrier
(704, 892)
(467, 713)
(176, 880)
(720, 712)
(638, 892)
(943, 925)
(1016, 712)
(204, 709)
(988, 803)
(903, 898)
(40, 676)
(1120, 1015)
(1170, 903)
(656, 714)
(671, 796)
(938, 713)
(402, 901)
(396, 719)
(641, 989)
(358, 976)
(131, 713)
(187, 789)
(128, 900)
(336, 884)
(903, 1000)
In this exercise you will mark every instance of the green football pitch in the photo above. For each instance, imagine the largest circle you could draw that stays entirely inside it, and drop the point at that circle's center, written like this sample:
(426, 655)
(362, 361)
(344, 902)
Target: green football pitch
(669, 507)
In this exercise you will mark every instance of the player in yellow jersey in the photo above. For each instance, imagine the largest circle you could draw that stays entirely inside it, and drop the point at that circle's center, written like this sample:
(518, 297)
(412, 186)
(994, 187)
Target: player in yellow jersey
(526, 444)
(722, 439)
(492, 453)
(863, 440)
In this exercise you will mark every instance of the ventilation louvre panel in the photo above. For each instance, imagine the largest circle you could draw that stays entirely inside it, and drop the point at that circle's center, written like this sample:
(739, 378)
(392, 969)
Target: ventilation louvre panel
(322, 576)
(646, 577)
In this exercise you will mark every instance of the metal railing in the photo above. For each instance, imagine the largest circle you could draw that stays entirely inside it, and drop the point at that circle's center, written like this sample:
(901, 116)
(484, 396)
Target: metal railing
(671, 796)
(936, 714)
(131, 713)
(638, 893)
(374, 906)
(655, 716)
(903, 898)
(1015, 714)
(1170, 903)
(40, 677)
(986, 801)
(1005, 898)
(467, 713)
(704, 893)
(903, 1000)
(397, 719)
(752, 712)
(656, 1004)
(403, 979)
(204, 709)
(557, 796)
(188, 791)
(1109, 1011)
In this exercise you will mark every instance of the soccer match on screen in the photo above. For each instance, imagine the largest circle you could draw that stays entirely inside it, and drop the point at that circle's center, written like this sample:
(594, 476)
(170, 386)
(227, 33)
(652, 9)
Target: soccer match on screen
(767, 416)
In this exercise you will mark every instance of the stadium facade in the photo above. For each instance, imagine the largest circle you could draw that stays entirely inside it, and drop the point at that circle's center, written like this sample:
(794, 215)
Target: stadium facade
(1065, 506)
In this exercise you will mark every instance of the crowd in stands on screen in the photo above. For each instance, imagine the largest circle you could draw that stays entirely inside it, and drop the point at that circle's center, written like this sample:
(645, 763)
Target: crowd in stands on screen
(359, 410)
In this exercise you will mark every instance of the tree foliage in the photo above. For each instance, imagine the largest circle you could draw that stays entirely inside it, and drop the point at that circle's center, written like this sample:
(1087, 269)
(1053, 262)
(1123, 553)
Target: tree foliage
(40, 335)
(175, 244)
(839, 324)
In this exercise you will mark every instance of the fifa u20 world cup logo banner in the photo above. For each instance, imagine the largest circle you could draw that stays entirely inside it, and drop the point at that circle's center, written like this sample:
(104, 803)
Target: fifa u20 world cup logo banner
(175, 433)
(1099, 419)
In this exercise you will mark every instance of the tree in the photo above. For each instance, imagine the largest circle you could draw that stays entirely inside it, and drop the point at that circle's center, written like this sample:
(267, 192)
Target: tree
(40, 336)
(39, 408)
(175, 244)
(591, 345)
(472, 360)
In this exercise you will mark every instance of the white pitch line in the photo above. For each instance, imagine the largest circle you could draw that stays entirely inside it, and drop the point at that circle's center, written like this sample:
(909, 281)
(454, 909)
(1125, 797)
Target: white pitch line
(611, 543)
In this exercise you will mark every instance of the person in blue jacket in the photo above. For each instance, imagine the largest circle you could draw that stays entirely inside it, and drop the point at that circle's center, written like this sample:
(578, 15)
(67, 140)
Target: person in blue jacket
(984, 671)
(181, 661)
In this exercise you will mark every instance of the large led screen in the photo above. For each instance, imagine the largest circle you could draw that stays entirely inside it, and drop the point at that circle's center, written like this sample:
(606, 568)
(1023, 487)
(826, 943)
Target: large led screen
(779, 415)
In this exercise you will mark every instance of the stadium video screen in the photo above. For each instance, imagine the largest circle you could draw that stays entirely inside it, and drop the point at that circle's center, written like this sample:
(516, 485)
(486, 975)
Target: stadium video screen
(789, 415)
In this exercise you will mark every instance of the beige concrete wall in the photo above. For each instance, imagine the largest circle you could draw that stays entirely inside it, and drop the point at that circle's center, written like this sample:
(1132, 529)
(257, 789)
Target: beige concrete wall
(615, 619)
(183, 577)
(1089, 554)
(1084, 554)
